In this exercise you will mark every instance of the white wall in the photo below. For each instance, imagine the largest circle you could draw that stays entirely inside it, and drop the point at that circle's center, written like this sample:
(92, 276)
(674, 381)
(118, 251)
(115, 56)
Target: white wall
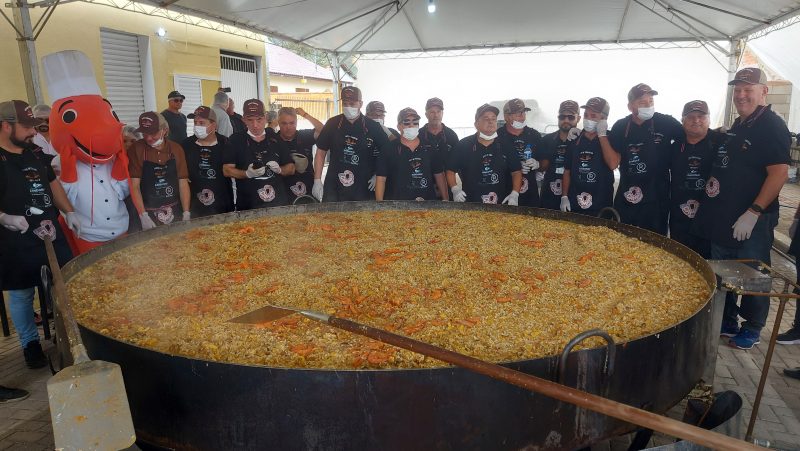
(464, 83)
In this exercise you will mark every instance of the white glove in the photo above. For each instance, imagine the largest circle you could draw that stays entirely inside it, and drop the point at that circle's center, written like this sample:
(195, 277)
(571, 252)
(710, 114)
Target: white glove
(316, 190)
(73, 223)
(574, 132)
(187, 215)
(793, 228)
(274, 166)
(565, 206)
(602, 127)
(540, 176)
(512, 198)
(56, 165)
(14, 223)
(458, 194)
(529, 165)
(253, 173)
(371, 183)
(147, 223)
(744, 225)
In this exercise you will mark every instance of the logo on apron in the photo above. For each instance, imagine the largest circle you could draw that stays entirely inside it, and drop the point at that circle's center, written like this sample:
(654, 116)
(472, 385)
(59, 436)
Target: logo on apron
(712, 187)
(206, 197)
(555, 187)
(347, 178)
(634, 195)
(690, 208)
(46, 229)
(490, 198)
(584, 200)
(266, 193)
(298, 189)
(165, 215)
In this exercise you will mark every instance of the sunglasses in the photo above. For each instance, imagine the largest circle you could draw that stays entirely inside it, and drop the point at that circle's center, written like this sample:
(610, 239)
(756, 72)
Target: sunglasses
(570, 117)
(177, 100)
(410, 122)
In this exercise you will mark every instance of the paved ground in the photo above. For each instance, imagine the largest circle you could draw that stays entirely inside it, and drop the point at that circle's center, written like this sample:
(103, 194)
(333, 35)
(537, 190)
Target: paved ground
(25, 425)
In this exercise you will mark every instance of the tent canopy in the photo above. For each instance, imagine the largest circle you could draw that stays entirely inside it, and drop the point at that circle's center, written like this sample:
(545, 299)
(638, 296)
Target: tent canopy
(383, 26)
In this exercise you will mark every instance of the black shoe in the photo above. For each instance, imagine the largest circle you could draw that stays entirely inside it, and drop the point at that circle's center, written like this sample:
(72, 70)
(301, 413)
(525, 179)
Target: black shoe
(795, 373)
(34, 356)
(790, 337)
(12, 394)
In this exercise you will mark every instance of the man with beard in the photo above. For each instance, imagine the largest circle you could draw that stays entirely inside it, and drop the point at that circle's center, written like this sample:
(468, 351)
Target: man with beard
(527, 143)
(555, 147)
(434, 136)
(299, 144)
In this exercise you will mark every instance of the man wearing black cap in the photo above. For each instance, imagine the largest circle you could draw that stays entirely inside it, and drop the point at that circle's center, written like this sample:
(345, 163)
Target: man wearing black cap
(739, 210)
(484, 164)
(354, 142)
(643, 140)
(258, 165)
(555, 149)
(527, 142)
(588, 181)
(692, 155)
(415, 173)
(212, 192)
(377, 112)
(175, 119)
(434, 135)
(299, 144)
(30, 200)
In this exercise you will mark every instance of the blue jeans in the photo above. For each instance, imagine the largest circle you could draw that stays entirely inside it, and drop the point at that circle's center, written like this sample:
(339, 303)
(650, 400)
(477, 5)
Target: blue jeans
(753, 309)
(21, 309)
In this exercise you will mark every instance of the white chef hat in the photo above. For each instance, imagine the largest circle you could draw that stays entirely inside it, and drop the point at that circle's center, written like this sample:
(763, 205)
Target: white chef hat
(69, 73)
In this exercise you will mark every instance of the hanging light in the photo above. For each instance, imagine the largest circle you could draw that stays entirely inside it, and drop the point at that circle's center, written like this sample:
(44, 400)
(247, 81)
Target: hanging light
(303, 80)
(431, 6)
(161, 32)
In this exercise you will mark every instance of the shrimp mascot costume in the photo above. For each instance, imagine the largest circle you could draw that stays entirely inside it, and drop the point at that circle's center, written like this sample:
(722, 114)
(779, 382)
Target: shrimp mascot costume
(87, 134)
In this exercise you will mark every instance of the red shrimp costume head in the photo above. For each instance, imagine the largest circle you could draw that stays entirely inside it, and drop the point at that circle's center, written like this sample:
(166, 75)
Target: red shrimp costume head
(83, 125)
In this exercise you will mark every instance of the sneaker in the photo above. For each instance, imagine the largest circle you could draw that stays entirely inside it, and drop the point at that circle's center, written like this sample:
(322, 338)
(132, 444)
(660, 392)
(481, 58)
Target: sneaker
(12, 394)
(729, 330)
(34, 356)
(745, 339)
(790, 337)
(795, 373)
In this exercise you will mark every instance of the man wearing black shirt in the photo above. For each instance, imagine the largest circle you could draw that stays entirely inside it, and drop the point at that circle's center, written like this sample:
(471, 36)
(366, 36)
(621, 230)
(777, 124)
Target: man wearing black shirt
(692, 155)
(484, 164)
(212, 192)
(175, 119)
(237, 121)
(739, 210)
(642, 139)
(414, 171)
(299, 144)
(377, 112)
(555, 149)
(527, 142)
(434, 135)
(354, 142)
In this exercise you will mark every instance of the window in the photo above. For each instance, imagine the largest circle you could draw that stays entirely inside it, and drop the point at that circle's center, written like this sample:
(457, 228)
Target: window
(300, 89)
(273, 88)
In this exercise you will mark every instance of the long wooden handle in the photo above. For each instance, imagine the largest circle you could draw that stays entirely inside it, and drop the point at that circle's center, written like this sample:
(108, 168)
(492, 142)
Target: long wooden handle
(79, 353)
(566, 394)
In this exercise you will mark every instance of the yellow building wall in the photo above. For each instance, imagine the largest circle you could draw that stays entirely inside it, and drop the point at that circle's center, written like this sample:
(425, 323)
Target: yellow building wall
(185, 50)
(209, 88)
(288, 84)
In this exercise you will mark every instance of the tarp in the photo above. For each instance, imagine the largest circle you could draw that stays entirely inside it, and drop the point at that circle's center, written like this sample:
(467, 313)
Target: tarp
(779, 51)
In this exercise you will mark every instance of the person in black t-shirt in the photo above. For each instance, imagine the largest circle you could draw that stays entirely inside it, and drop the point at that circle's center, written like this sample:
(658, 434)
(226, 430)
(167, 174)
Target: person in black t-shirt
(237, 121)
(527, 142)
(642, 140)
(258, 167)
(212, 192)
(354, 142)
(588, 179)
(377, 112)
(414, 171)
(554, 147)
(175, 119)
(692, 155)
(434, 136)
(484, 164)
(739, 210)
(299, 144)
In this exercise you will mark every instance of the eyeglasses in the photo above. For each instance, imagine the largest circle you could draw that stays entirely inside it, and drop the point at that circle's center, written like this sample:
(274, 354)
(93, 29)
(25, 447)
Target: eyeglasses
(570, 117)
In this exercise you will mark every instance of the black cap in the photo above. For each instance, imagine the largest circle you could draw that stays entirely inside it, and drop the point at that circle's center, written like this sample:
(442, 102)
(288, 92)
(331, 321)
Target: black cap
(176, 95)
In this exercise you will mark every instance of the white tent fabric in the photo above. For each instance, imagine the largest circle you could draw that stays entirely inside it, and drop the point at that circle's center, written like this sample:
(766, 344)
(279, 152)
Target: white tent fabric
(370, 26)
(779, 51)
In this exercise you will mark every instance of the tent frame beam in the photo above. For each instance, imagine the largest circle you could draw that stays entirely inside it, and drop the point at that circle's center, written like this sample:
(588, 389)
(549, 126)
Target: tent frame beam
(345, 22)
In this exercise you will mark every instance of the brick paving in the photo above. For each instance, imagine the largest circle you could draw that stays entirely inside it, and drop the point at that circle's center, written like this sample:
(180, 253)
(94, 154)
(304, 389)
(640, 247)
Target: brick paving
(25, 425)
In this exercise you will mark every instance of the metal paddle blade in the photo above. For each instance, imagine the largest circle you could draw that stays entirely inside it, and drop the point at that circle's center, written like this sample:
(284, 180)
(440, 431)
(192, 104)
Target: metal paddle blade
(89, 408)
(265, 314)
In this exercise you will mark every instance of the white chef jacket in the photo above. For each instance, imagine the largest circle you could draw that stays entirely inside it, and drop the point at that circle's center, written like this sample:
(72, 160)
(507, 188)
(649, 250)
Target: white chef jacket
(108, 217)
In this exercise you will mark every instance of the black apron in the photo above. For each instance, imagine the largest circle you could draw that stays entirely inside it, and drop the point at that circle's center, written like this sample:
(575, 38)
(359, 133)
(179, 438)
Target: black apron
(551, 185)
(526, 141)
(211, 190)
(352, 164)
(24, 254)
(639, 169)
(591, 182)
(160, 194)
(300, 183)
(487, 172)
(268, 190)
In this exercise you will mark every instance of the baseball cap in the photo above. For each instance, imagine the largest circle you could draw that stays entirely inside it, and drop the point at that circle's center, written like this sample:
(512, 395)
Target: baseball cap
(18, 111)
(253, 107)
(434, 101)
(150, 122)
(405, 113)
(568, 107)
(640, 90)
(203, 112)
(598, 105)
(376, 107)
(515, 106)
(351, 94)
(484, 108)
(750, 75)
(41, 111)
(176, 95)
(695, 105)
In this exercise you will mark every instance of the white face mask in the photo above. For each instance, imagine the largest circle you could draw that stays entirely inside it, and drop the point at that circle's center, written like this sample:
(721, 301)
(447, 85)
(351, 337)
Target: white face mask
(590, 125)
(380, 121)
(201, 131)
(350, 113)
(518, 125)
(411, 133)
(646, 113)
(159, 142)
(487, 137)
(255, 136)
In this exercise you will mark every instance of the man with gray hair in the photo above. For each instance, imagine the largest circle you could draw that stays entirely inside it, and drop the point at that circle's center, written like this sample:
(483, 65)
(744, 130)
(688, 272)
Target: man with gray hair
(220, 107)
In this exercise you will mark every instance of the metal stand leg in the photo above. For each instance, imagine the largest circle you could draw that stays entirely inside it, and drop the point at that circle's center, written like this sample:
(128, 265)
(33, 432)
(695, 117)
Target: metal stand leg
(4, 316)
(717, 307)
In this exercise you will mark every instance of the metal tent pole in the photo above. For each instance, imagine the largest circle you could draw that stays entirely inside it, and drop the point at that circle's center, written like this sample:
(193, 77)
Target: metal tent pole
(27, 52)
(736, 48)
(336, 70)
